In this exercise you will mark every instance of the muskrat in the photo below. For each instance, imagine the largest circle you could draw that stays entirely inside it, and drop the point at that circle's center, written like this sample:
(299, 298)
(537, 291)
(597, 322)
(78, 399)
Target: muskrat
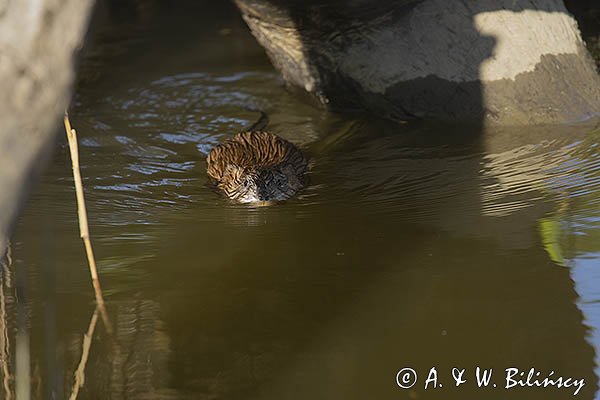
(256, 166)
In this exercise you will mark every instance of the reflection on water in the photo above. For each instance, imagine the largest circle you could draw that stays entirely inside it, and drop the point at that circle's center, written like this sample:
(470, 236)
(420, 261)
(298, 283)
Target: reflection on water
(571, 234)
(414, 245)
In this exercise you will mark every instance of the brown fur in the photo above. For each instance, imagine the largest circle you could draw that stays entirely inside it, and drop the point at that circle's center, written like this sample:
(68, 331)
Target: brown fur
(256, 153)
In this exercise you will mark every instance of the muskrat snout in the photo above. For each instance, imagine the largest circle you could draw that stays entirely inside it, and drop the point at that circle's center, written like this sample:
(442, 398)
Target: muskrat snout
(258, 185)
(273, 185)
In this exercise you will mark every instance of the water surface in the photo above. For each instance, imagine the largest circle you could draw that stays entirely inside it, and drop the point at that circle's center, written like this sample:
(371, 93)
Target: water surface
(414, 245)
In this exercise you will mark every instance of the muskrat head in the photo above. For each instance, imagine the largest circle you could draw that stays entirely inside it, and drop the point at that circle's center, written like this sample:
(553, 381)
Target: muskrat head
(239, 184)
(253, 185)
(276, 184)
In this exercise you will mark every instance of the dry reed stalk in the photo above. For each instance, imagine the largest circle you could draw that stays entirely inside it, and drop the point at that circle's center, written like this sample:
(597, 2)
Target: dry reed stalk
(87, 343)
(83, 221)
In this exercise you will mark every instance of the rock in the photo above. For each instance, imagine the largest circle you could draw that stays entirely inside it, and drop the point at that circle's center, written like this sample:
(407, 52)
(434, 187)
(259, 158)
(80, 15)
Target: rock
(485, 61)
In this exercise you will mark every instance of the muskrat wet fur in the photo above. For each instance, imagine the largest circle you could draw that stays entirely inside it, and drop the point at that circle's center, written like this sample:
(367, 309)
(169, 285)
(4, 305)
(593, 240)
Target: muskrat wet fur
(257, 167)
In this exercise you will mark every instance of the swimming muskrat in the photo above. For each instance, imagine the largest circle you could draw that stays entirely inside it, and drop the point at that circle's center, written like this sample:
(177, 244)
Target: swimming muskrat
(257, 166)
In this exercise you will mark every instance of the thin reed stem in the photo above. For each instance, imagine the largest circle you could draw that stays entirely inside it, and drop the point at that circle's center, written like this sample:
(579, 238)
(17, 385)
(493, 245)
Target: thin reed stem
(83, 221)
(87, 343)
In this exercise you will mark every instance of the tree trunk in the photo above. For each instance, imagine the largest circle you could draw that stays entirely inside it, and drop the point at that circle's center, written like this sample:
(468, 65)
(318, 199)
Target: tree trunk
(487, 61)
(38, 39)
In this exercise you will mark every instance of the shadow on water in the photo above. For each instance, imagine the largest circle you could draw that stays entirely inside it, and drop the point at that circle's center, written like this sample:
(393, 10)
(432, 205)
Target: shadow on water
(416, 245)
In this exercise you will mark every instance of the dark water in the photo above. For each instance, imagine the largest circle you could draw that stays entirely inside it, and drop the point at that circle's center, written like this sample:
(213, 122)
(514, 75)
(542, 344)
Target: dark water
(415, 245)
